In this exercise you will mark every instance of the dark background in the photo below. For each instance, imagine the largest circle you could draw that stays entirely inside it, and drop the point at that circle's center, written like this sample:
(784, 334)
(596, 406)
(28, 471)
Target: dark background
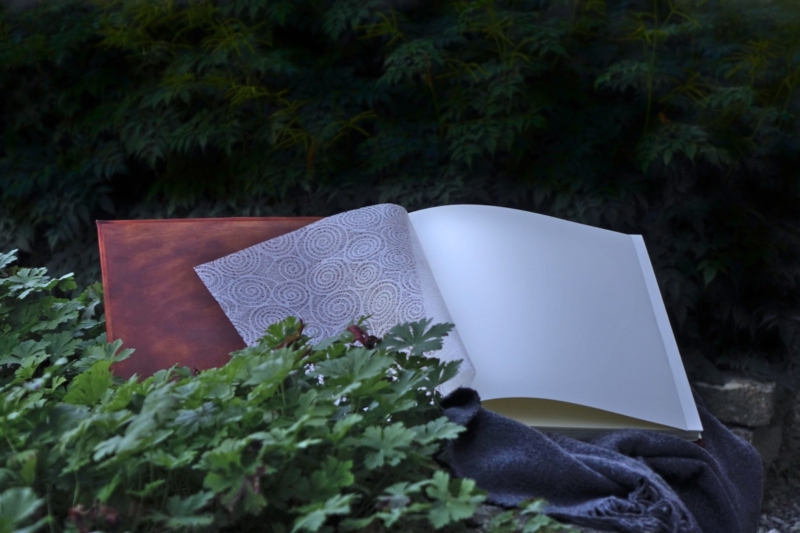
(675, 120)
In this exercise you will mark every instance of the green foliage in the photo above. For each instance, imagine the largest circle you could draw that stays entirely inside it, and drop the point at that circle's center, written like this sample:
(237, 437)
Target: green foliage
(17, 506)
(676, 119)
(304, 438)
(45, 339)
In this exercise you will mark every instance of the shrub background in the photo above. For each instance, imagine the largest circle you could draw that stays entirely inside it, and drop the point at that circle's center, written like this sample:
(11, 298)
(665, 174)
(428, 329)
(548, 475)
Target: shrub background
(673, 119)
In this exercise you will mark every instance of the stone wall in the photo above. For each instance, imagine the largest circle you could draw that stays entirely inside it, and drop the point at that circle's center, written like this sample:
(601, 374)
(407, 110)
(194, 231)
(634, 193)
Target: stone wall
(757, 411)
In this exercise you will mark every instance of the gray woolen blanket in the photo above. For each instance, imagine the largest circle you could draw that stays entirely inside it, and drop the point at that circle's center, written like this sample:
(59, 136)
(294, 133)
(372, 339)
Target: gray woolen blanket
(630, 481)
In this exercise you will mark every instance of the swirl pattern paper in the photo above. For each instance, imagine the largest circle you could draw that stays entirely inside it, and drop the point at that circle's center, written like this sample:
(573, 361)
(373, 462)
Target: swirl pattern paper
(362, 262)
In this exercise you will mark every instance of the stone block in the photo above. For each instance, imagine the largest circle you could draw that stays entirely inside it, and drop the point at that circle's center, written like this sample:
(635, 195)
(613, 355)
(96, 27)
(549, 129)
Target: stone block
(745, 433)
(789, 458)
(745, 402)
(767, 440)
(794, 416)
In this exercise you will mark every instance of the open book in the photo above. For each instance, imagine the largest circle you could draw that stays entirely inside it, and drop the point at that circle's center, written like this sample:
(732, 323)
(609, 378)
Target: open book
(559, 325)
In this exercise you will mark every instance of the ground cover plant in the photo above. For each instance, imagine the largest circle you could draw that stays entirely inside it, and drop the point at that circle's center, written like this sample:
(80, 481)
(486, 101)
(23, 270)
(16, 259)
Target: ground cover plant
(676, 119)
(288, 436)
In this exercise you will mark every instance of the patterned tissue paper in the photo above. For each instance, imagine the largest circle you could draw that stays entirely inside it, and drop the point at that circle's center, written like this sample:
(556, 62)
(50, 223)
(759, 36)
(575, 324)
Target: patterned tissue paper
(365, 262)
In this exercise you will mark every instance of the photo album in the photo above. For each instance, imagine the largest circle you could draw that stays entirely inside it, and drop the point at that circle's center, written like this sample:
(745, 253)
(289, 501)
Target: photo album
(558, 325)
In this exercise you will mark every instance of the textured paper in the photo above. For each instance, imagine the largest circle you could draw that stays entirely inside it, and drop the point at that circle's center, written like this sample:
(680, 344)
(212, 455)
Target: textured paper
(329, 273)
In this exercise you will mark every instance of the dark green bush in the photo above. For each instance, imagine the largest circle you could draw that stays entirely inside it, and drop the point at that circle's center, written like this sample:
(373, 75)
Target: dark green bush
(671, 118)
(287, 436)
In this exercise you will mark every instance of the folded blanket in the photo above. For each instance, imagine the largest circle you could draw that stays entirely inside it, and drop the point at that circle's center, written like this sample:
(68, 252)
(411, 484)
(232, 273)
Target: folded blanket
(630, 480)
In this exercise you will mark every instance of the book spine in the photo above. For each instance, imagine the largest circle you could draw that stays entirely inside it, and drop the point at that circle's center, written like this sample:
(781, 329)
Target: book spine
(690, 413)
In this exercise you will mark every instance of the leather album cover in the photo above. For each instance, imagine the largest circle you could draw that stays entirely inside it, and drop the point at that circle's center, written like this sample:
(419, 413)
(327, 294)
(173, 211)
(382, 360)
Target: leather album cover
(154, 300)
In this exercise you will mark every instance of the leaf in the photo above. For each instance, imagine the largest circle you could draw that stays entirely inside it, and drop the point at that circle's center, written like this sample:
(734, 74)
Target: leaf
(148, 489)
(342, 15)
(410, 60)
(122, 395)
(415, 337)
(102, 351)
(106, 447)
(314, 515)
(191, 521)
(625, 74)
(390, 444)
(30, 350)
(435, 430)
(105, 493)
(7, 258)
(540, 522)
(270, 373)
(356, 365)
(170, 461)
(223, 464)
(447, 507)
(185, 512)
(31, 354)
(57, 314)
(89, 387)
(333, 476)
(26, 462)
(396, 500)
(61, 344)
(17, 505)
(144, 428)
(284, 333)
(190, 421)
(328, 342)
(27, 280)
(8, 341)
(691, 151)
(28, 355)
(343, 425)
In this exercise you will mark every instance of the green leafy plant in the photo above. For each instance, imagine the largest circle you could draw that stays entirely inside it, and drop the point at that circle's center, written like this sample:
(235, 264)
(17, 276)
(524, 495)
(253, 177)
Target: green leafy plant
(299, 437)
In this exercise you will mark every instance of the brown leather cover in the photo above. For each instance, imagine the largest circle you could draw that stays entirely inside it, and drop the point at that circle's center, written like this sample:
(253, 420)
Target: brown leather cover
(154, 300)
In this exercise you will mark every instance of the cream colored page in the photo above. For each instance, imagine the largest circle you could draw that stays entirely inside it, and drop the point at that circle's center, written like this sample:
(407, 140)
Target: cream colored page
(550, 309)
(436, 310)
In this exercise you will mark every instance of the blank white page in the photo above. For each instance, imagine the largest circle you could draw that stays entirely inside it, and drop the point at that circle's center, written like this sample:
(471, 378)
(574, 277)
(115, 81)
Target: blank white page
(556, 310)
